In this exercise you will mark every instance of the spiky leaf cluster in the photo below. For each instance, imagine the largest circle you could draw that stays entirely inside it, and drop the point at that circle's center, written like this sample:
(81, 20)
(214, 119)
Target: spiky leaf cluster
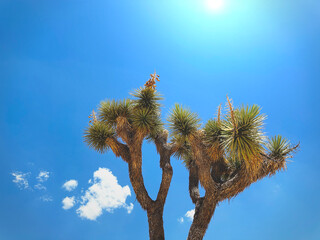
(241, 133)
(146, 98)
(146, 120)
(212, 131)
(96, 136)
(212, 138)
(182, 122)
(279, 147)
(109, 111)
(146, 111)
(142, 115)
(184, 149)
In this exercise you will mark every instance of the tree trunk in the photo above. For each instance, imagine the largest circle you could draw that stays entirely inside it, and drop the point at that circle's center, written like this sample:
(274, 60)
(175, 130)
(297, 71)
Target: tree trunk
(203, 213)
(154, 208)
(155, 220)
(136, 178)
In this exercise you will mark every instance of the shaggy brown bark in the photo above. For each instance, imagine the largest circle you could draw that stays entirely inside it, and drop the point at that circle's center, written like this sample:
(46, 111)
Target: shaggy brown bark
(209, 174)
(131, 153)
(204, 211)
(155, 220)
(193, 183)
(205, 206)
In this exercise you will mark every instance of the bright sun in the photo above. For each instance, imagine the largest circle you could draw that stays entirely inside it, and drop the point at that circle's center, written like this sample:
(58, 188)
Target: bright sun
(215, 5)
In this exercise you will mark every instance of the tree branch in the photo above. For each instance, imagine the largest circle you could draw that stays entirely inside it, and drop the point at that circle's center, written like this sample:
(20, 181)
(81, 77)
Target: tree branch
(119, 149)
(123, 129)
(204, 211)
(242, 180)
(165, 153)
(202, 161)
(136, 178)
(194, 183)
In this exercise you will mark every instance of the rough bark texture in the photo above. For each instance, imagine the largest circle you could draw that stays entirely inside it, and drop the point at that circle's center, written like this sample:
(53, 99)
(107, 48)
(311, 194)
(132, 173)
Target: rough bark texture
(193, 183)
(131, 153)
(136, 178)
(204, 211)
(155, 220)
(209, 174)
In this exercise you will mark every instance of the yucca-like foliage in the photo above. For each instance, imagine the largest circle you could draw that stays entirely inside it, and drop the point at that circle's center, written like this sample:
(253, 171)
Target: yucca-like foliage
(146, 111)
(236, 138)
(146, 121)
(212, 137)
(97, 134)
(141, 113)
(184, 149)
(242, 136)
(109, 111)
(279, 147)
(182, 122)
(147, 98)
(212, 131)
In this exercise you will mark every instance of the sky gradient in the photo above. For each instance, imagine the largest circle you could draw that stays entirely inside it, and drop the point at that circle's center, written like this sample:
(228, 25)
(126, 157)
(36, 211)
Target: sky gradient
(59, 59)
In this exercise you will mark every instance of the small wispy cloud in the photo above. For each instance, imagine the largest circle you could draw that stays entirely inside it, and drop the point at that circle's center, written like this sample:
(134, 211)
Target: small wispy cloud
(43, 176)
(189, 216)
(129, 208)
(39, 186)
(20, 179)
(46, 198)
(70, 185)
(104, 194)
(68, 202)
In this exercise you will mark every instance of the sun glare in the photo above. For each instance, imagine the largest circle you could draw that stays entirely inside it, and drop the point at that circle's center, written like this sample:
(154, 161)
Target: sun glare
(215, 5)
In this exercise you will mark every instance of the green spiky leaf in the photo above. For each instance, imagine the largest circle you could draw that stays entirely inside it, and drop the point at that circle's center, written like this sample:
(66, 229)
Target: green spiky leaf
(212, 131)
(184, 151)
(146, 120)
(182, 122)
(109, 111)
(279, 147)
(97, 134)
(146, 98)
(241, 133)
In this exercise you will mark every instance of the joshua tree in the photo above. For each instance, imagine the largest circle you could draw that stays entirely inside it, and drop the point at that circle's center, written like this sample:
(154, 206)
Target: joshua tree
(226, 156)
(122, 126)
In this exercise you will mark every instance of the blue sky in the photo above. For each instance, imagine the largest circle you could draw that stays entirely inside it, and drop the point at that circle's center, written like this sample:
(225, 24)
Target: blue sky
(59, 59)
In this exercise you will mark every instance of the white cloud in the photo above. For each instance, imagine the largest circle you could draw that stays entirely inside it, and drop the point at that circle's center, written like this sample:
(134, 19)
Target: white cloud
(70, 185)
(68, 202)
(46, 198)
(104, 194)
(129, 208)
(39, 186)
(180, 220)
(21, 179)
(43, 176)
(189, 214)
